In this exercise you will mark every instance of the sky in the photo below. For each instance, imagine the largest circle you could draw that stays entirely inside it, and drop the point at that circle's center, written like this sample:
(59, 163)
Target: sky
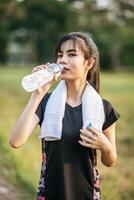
(103, 3)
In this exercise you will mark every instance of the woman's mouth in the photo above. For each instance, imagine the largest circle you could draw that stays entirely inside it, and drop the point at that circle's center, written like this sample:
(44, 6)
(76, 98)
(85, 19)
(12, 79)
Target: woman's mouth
(66, 68)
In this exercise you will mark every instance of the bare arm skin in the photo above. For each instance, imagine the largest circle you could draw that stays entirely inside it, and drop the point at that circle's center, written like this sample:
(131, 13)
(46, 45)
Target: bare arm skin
(25, 124)
(28, 120)
(109, 154)
(105, 142)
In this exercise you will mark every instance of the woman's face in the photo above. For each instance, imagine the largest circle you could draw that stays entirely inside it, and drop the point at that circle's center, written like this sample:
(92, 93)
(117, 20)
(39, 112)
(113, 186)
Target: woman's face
(72, 58)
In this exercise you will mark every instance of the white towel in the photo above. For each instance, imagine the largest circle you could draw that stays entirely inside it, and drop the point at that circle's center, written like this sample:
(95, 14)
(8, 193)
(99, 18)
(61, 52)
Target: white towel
(92, 111)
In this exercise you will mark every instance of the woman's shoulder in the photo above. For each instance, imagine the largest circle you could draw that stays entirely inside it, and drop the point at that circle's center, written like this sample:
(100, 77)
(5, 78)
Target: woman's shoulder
(41, 108)
(111, 113)
(45, 100)
(46, 97)
(107, 105)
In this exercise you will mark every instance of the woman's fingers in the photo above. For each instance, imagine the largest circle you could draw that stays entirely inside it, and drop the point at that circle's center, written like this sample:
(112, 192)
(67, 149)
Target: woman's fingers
(48, 85)
(88, 134)
(84, 144)
(37, 68)
(87, 139)
(39, 90)
(55, 77)
(93, 130)
(92, 138)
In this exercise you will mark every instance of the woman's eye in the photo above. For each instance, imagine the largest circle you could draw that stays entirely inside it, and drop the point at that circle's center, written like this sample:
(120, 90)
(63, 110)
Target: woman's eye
(72, 54)
(59, 56)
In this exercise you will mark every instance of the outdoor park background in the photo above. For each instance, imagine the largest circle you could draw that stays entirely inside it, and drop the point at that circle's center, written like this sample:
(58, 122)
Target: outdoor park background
(29, 31)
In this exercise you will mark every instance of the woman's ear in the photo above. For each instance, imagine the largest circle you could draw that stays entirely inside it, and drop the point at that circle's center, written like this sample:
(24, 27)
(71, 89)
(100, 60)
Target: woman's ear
(91, 62)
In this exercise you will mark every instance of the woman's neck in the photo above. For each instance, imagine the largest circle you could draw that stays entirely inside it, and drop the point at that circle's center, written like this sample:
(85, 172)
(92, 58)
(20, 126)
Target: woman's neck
(74, 92)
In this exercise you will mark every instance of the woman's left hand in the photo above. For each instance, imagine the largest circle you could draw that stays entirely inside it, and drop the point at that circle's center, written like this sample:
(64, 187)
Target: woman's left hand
(92, 138)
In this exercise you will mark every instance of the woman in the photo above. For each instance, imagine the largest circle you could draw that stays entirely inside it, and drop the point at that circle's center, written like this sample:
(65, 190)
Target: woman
(69, 166)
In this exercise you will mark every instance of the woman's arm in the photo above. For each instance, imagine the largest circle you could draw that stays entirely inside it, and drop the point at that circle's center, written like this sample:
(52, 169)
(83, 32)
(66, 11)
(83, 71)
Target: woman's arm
(105, 142)
(108, 152)
(28, 120)
(26, 123)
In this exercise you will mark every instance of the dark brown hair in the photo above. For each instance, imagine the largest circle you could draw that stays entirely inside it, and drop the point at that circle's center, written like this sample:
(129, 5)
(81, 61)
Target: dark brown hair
(87, 45)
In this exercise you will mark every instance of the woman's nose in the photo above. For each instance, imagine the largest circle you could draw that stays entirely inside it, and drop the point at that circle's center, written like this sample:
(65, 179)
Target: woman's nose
(63, 60)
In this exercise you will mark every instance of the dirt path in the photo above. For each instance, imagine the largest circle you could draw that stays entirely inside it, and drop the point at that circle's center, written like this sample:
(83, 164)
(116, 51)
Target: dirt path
(8, 191)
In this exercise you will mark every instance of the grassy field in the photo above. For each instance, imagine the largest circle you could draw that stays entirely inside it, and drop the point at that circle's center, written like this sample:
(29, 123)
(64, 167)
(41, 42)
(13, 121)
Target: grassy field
(22, 167)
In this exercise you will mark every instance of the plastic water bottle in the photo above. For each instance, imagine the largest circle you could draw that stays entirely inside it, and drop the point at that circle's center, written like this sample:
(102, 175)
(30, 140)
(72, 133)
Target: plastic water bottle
(35, 80)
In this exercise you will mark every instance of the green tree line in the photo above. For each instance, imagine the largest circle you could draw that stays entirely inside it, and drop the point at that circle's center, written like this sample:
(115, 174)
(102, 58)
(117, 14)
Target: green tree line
(44, 21)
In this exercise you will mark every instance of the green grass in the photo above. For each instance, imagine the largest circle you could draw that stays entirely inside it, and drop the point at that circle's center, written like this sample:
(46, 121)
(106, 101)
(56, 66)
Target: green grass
(22, 166)
(119, 180)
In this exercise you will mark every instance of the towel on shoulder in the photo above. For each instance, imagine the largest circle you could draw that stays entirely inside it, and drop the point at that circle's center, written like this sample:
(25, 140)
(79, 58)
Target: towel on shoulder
(92, 111)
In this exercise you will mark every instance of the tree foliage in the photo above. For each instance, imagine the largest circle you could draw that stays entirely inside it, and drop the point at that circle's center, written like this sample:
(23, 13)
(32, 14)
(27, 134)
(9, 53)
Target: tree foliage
(45, 21)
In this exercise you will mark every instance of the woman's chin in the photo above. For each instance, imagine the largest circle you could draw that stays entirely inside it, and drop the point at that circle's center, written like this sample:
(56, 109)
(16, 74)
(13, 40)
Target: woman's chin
(64, 77)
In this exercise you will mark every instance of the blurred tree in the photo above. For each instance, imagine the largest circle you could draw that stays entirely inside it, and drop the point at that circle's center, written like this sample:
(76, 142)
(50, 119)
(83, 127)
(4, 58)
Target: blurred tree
(43, 22)
(125, 17)
(108, 23)
(6, 12)
(11, 18)
(95, 20)
(47, 20)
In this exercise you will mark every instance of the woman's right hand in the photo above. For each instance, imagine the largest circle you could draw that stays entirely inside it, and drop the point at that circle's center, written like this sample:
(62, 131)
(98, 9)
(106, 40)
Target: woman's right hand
(41, 91)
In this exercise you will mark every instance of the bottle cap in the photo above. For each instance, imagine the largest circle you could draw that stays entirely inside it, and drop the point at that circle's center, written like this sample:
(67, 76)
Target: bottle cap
(55, 67)
(89, 125)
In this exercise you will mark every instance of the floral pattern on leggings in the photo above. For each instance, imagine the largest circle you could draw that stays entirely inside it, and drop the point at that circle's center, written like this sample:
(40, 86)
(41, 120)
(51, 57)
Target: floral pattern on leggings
(97, 192)
(41, 187)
